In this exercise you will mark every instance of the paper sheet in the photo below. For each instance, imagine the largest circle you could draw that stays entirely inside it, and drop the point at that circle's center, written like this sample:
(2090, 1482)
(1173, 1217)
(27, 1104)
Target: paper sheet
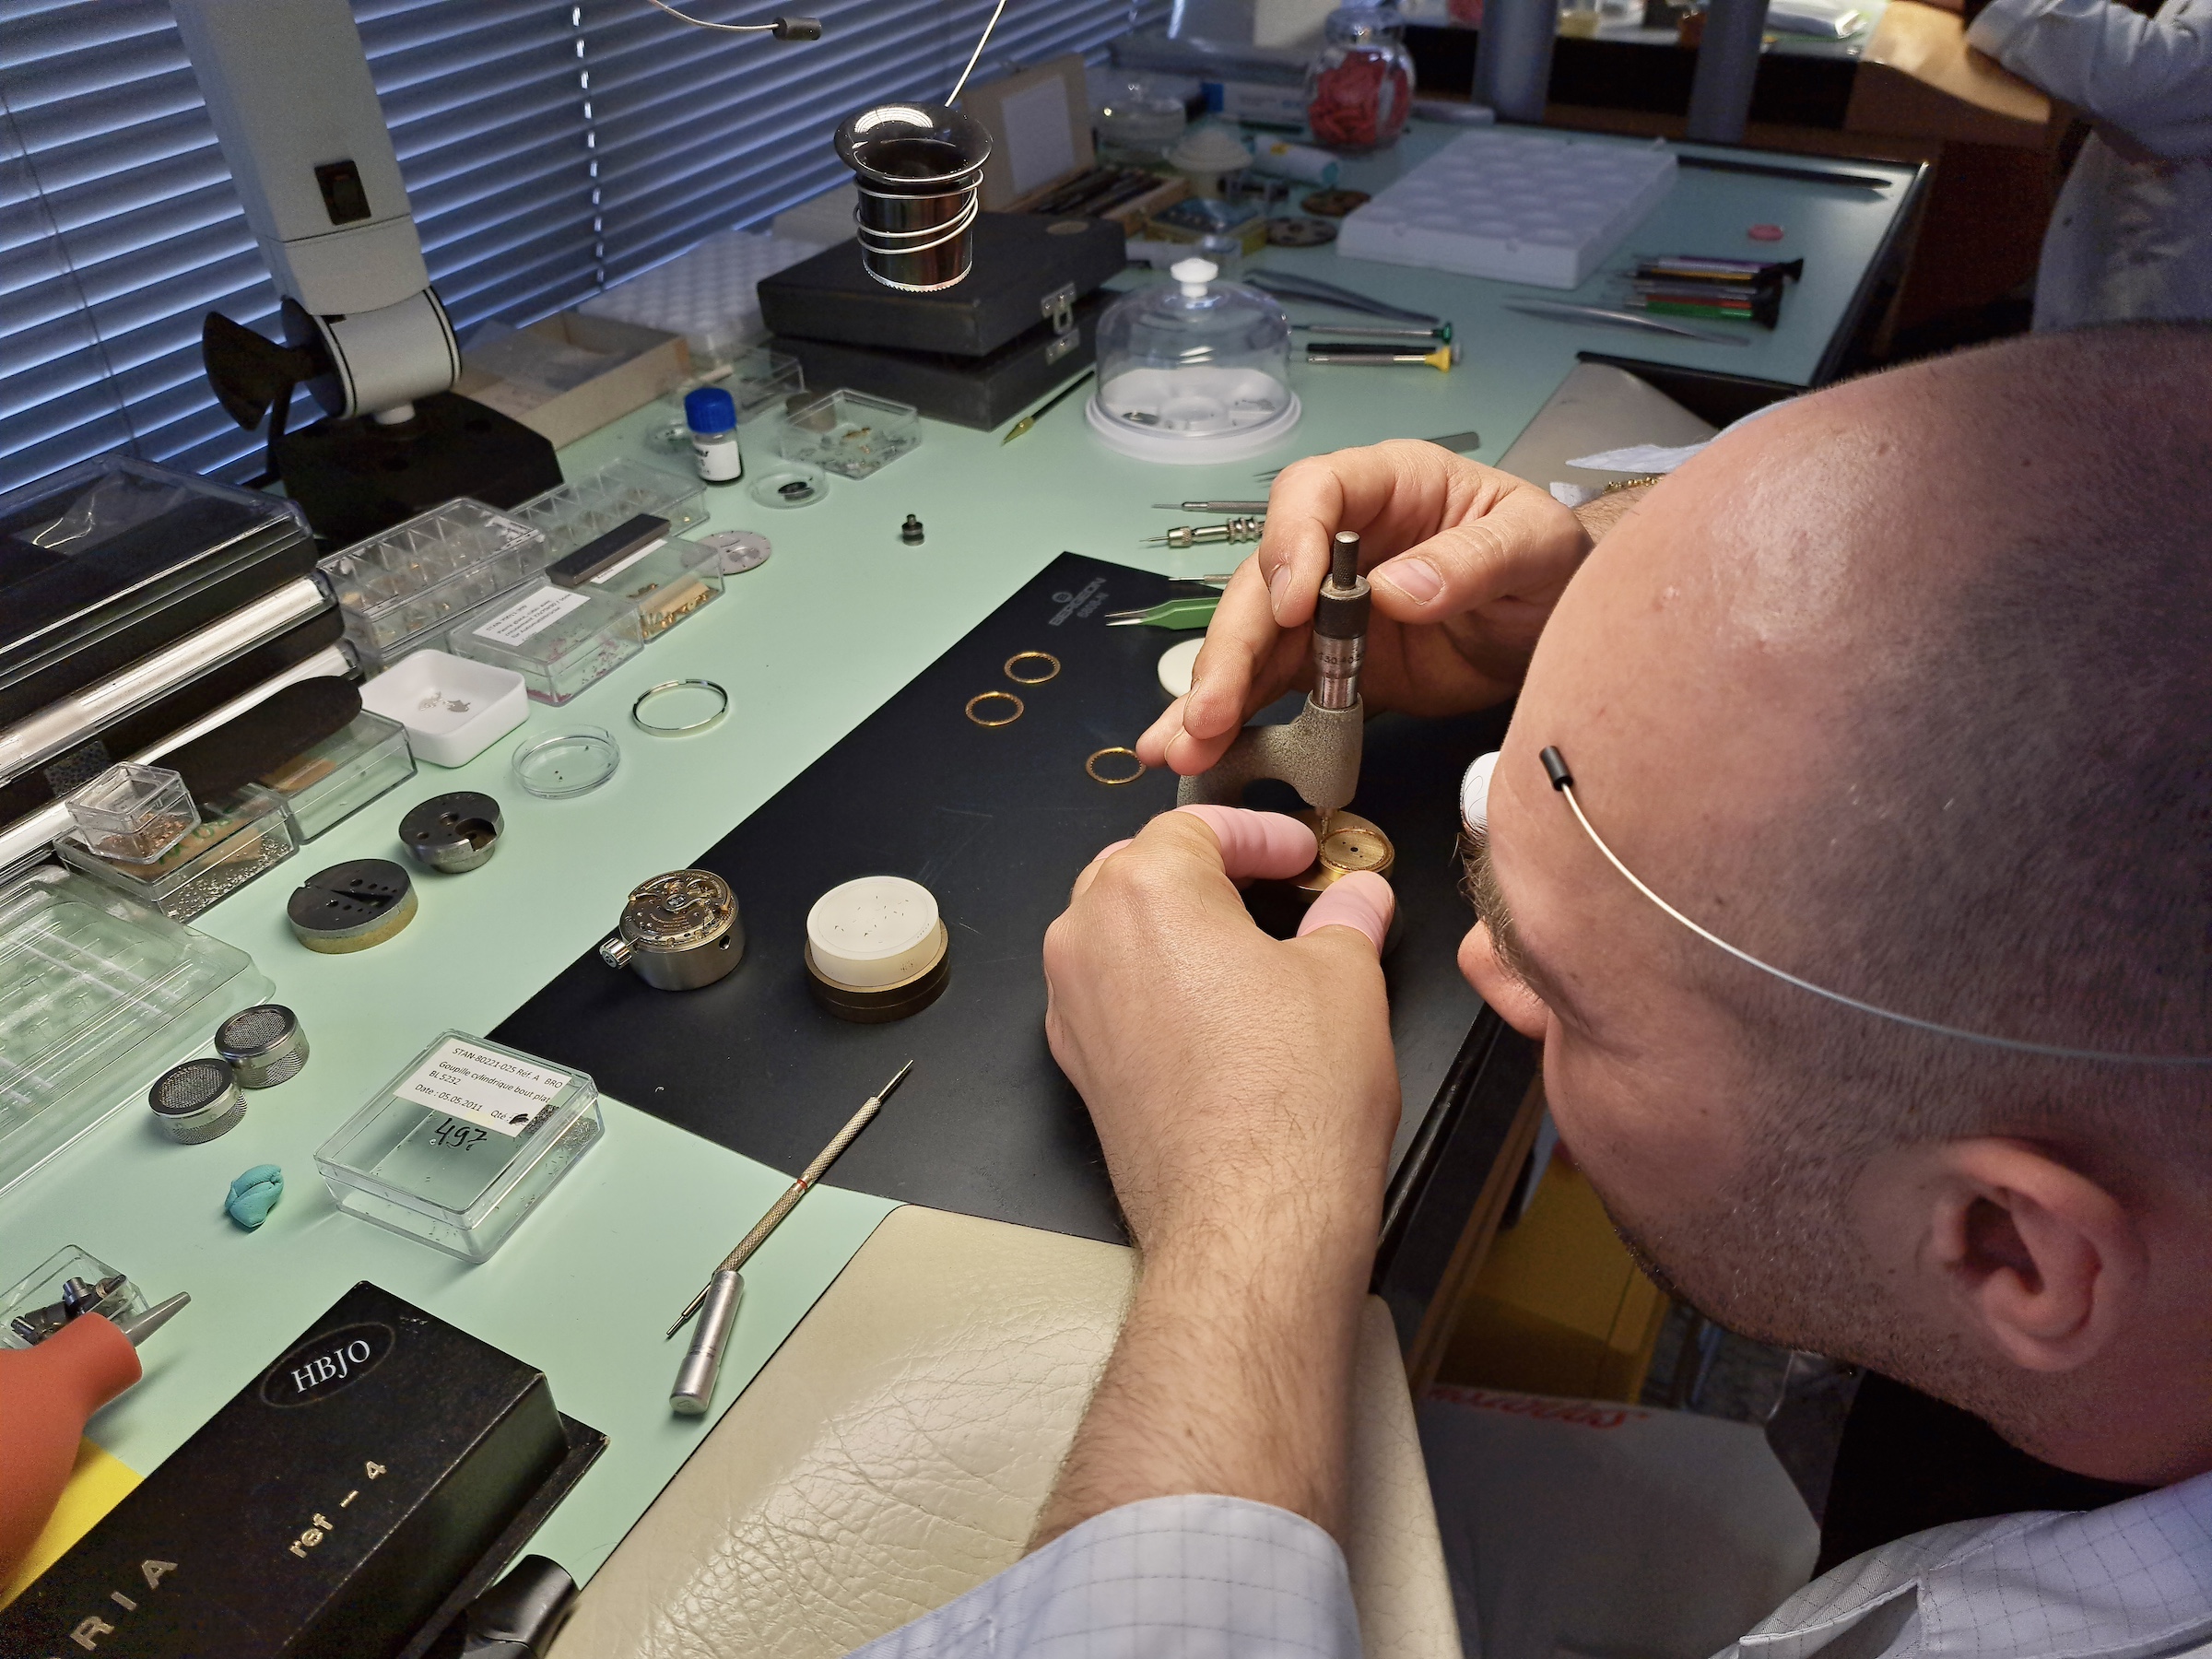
(1040, 145)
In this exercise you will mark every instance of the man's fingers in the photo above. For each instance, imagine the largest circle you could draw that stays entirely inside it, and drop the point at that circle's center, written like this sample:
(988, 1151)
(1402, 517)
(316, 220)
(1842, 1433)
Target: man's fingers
(1361, 901)
(1524, 545)
(1305, 507)
(1239, 641)
(1152, 747)
(1251, 846)
(1256, 846)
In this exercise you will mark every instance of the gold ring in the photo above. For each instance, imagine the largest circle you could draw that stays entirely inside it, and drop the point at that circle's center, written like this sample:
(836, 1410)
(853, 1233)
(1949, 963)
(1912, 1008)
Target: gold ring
(1051, 669)
(1091, 765)
(984, 696)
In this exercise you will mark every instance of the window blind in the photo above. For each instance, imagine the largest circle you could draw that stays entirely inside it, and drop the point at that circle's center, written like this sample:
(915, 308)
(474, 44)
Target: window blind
(549, 147)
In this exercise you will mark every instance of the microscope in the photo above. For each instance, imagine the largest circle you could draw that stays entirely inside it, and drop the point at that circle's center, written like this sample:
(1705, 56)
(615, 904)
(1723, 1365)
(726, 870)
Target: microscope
(287, 86)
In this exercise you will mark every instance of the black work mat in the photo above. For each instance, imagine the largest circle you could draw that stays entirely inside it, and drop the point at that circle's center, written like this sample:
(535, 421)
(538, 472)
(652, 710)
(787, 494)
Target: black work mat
(996, 823)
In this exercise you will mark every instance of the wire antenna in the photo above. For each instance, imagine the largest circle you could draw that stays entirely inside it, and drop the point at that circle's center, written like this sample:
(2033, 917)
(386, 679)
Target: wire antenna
(953, 97)
(1555, 767)
(784, 29)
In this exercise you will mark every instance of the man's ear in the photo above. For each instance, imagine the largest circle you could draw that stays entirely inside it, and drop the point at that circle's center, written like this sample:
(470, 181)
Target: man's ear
(1517, 1005)
(2035, 1258)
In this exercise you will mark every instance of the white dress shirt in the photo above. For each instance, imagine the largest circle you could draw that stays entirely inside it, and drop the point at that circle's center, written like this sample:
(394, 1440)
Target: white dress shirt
(1221, 1578)
(2131, 237)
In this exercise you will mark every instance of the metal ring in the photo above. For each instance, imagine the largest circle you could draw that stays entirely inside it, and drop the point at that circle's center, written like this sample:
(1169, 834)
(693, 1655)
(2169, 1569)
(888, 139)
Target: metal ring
(1046, 658)
(1091, 765)
(637, 710)
(1019, 707)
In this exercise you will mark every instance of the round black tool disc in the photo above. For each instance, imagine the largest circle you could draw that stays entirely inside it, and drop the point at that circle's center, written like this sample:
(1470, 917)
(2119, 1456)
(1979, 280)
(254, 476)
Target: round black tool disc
(1300, 233)
(351, 906)
(452, 832)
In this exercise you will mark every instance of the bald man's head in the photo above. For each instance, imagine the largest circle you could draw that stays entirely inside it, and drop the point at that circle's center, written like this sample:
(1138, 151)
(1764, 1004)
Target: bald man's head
(1982, 590)
(1907, 688)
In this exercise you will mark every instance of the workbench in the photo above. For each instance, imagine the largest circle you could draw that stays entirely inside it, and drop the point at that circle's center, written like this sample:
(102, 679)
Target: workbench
(837, 621)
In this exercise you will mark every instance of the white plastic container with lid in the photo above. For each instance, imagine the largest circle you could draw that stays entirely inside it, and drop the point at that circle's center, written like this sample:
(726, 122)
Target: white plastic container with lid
(1194, 371)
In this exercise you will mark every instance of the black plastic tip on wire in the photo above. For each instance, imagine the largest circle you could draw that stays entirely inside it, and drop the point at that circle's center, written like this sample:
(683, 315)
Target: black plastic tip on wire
(796, 28)
(1555, 767)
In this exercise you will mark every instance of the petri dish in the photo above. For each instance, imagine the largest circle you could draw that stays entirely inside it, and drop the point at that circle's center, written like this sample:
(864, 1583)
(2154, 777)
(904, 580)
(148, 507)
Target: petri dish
(675, 707)
(787, 484)
(567, 763)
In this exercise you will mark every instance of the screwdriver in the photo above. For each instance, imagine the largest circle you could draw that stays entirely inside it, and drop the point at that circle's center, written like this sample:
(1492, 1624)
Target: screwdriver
(1438, 359)
(694, 1390)
(1046, 407)
(1202, 535)
(1244, 507)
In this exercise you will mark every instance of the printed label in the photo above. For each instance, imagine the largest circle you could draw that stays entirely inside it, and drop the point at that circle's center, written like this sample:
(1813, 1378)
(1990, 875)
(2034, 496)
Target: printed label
(529, 616)
(613, 570)
(483, 1086)
(326, 1362)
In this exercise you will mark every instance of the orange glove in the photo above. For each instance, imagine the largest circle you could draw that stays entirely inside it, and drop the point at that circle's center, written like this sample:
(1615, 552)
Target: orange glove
(46, 1394)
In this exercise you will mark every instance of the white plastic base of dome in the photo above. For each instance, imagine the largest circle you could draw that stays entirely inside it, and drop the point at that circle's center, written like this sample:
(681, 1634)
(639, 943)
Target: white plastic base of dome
(1190, 449)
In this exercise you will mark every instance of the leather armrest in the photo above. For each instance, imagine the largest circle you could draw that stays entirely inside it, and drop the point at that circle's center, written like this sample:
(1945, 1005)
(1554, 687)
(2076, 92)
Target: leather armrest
(897, 1450)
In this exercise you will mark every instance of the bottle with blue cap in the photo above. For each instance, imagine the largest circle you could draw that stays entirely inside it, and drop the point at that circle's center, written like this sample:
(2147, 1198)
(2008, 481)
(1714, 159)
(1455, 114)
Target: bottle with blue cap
(711, 414)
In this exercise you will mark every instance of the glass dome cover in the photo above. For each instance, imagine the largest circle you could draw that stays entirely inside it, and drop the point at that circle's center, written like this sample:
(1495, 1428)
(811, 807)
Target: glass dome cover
(1194, 371)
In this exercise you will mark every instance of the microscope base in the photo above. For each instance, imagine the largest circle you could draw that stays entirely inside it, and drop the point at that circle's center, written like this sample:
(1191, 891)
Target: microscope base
(354, 478)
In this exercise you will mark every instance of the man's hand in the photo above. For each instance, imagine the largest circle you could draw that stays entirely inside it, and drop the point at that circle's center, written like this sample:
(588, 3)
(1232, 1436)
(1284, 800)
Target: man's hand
(1245, 1092)
(1467, 562)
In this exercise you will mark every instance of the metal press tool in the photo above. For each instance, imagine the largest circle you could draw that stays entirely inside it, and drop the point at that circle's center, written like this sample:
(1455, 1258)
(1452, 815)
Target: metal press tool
(1318, 753)
(717, 1303)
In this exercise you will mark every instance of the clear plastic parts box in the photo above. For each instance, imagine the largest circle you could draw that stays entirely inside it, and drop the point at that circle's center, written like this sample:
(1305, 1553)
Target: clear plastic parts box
(99, 995)
(463, 1144)
(42, 1288)
(236, 839)
(397, 588)
(134, 813)
(559, 640)
(849, 433)
(586, 508)
(324, 786)
(663, 583)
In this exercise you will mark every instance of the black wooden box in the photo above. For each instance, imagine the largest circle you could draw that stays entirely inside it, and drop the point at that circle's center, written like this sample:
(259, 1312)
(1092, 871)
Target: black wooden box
(331, 1509)
(982, 393)
(1027, 267)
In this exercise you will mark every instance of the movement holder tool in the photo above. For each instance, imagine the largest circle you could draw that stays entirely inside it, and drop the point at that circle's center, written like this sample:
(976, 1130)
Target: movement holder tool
(1318, 753)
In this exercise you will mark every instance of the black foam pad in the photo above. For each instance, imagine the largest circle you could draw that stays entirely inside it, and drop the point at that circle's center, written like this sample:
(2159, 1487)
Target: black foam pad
(995, 822)
(266, 735)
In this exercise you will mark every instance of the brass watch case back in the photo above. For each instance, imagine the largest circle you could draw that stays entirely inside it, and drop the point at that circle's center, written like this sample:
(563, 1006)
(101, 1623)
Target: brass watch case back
(1346, 842)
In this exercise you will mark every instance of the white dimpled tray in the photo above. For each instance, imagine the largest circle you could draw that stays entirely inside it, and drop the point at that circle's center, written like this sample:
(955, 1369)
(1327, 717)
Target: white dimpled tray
(1518, 207)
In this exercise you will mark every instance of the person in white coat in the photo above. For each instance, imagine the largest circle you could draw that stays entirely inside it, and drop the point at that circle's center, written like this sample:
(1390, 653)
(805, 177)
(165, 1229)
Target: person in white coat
(2131, 237)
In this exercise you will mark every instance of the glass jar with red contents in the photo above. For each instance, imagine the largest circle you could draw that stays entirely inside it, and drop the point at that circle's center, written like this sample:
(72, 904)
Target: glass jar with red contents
(1360, 89)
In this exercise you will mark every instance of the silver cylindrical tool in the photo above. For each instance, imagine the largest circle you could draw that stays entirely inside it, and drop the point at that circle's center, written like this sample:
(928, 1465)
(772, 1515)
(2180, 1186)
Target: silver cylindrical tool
(196, 1101)
(1720, 91)
(265, 1045)
(1512, 57)
(1340, 627)
(694, 1390)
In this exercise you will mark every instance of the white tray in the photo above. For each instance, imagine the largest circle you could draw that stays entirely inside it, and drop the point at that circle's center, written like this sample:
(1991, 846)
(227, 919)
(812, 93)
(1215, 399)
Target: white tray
(1517, 206)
